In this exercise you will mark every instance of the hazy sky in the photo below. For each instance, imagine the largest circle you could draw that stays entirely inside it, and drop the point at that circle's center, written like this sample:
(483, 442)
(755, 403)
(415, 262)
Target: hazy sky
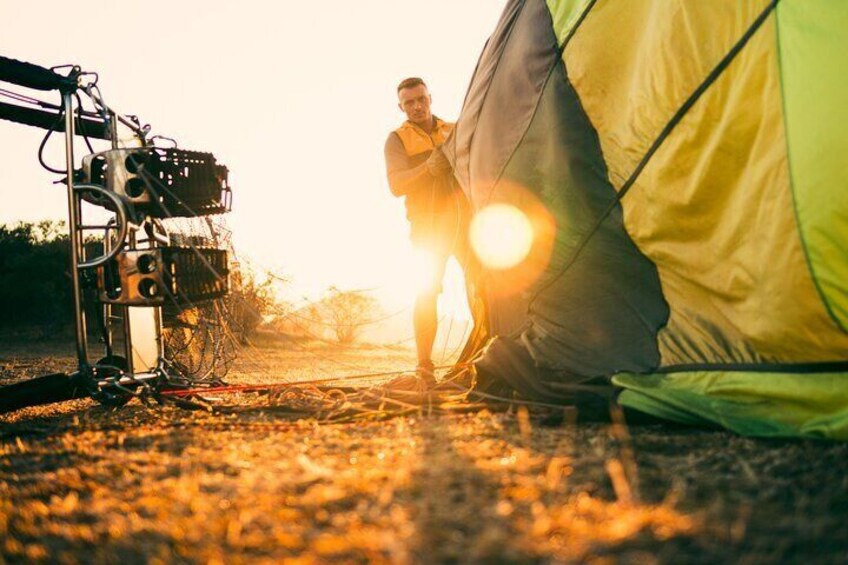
(296, 98)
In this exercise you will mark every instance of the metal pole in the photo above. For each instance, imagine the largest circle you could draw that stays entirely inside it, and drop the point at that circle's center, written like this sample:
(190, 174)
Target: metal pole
(128, 347)
(113, 129)
(77, 252)
(108, 309)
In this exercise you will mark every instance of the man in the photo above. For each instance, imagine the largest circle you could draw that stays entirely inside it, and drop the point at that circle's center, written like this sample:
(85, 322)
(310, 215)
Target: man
(435, 206)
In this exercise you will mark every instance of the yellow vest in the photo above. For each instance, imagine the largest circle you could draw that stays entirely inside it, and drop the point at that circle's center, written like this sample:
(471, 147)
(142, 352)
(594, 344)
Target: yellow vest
(416, 141)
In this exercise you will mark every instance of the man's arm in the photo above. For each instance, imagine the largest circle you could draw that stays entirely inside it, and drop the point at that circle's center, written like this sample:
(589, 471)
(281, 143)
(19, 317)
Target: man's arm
(403, 178)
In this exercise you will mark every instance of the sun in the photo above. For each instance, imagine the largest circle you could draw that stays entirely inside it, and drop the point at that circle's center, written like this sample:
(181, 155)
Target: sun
(501, 236)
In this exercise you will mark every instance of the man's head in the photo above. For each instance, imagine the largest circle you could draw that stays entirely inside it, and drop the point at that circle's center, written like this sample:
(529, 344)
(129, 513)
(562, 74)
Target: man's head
(414, 100)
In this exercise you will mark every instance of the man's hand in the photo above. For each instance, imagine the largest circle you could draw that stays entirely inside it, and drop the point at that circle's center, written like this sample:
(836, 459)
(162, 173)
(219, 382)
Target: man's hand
(437, 164)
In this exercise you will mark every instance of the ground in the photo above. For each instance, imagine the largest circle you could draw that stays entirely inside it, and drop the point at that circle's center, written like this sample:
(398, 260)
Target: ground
(80, 483)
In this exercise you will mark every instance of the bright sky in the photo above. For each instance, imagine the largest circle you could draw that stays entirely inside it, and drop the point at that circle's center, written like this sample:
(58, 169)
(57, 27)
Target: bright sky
(296, 98)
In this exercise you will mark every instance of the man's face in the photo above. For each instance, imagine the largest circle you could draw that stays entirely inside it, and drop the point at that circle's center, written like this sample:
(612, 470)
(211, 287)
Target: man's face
(415, 103)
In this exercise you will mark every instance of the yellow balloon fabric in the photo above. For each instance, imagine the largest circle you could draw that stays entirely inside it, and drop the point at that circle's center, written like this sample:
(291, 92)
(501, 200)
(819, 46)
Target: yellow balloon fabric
(713, 208)
(814, 71)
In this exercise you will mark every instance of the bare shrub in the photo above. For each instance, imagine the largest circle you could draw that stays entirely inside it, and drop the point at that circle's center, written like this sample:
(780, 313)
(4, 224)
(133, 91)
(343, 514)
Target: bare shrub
(251, 301)
(348, 312)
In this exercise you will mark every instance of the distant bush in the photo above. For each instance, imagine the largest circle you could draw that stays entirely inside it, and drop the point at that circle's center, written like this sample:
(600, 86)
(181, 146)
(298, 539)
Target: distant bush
(35, 284)
(251, 301)
(348, 312)
(339, 315)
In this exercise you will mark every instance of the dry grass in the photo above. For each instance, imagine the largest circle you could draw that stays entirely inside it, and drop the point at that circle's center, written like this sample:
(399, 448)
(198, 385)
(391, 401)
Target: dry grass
(84, 484)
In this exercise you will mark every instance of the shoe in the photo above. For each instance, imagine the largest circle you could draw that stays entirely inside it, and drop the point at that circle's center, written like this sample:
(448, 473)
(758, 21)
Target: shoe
(426, 372)
(462, 380)
(423, 380)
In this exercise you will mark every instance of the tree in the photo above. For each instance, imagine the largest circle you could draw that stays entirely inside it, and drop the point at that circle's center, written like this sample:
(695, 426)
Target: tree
(348, 312)
(35, 289)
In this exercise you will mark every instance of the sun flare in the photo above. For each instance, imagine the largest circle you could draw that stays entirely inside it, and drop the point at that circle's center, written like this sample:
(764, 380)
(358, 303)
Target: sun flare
(501, 236)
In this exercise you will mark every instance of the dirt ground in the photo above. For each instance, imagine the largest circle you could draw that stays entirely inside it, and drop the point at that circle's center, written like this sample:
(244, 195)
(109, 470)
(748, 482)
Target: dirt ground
(80, 483)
